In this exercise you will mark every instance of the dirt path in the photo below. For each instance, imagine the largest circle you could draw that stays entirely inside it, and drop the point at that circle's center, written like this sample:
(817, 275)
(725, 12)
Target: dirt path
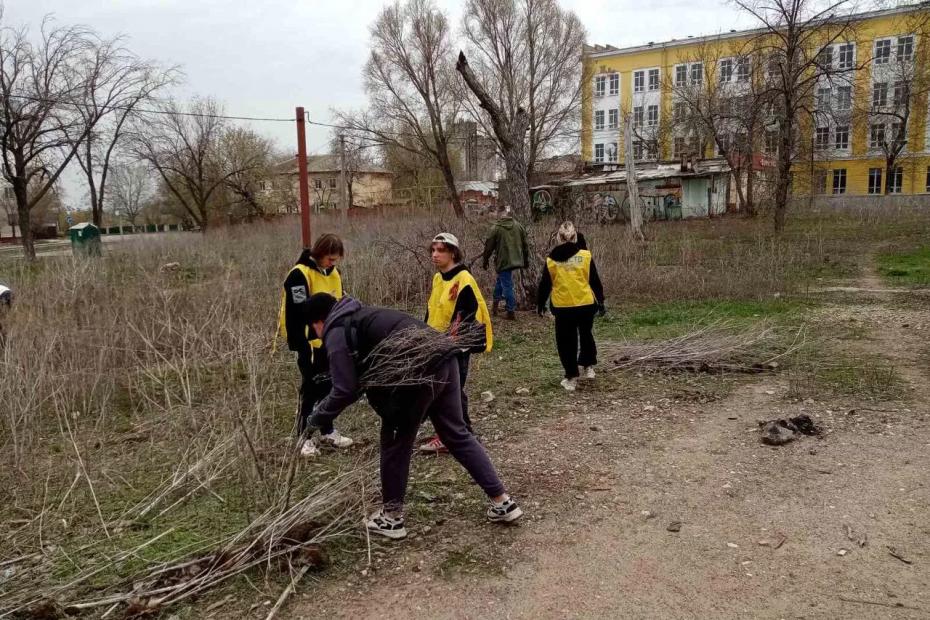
(764, 532)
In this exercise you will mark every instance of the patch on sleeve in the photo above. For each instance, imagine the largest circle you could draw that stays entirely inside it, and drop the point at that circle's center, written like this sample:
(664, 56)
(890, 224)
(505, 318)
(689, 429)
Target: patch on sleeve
(299, 294)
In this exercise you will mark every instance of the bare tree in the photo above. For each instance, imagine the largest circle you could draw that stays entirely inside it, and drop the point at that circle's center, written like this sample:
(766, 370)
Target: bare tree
(132, 189)
(185, 147)
(119, 84)
(249, 160)
(636, 213)
(527, 54)
(792, 35)
(410, 84)
(42, 83)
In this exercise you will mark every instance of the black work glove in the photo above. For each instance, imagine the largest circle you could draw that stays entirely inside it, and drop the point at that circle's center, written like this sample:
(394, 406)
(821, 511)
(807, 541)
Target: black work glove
(601, 309)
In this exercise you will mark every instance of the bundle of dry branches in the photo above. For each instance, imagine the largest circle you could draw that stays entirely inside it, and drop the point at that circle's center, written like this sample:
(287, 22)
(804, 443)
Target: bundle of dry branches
(288, 535)
(719, 347)
(410, 356)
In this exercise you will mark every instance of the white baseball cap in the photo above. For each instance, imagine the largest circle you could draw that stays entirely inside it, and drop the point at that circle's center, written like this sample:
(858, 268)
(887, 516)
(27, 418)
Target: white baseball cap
(447, 238)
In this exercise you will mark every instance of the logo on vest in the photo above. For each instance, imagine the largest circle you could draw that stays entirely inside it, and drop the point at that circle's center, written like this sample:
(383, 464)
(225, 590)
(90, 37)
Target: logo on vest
(454, 292)
(299, 294)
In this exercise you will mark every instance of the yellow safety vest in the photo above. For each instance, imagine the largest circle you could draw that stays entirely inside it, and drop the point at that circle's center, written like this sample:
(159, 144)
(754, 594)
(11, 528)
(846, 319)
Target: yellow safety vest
(570, 287)
(317, 283)
(442, 303)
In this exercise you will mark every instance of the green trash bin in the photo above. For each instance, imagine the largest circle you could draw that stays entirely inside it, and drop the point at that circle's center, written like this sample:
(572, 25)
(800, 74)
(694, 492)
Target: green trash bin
(85, 239)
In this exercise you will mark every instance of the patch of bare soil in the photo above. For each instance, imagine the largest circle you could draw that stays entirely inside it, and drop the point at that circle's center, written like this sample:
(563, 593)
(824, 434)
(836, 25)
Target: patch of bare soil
(676, 510)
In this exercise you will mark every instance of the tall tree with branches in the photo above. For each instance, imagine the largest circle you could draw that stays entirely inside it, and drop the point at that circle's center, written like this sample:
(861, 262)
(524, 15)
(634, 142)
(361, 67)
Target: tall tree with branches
(119, 85)
(792, 35)
(184, 146)
(132, 188)
(44, 81)
(524, 68)
(410, 83)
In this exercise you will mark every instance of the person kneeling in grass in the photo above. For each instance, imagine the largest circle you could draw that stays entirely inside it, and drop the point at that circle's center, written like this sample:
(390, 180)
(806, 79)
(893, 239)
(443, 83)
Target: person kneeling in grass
(350, 332)
(455, 303)
(571, 279)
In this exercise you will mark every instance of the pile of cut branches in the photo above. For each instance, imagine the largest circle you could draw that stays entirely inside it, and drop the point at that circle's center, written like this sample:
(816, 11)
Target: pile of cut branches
(719, 347)
(284, 536)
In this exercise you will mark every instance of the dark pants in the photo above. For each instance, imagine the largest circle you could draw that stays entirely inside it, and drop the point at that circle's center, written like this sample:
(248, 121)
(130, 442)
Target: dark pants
(402, 412)
(503, 290)
(314, 387)
(464, 361)
(571, 326)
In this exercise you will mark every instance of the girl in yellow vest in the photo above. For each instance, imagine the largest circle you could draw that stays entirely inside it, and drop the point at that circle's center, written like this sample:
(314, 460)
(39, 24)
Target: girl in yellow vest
(315, 272)
(573, 289)
(455, 300)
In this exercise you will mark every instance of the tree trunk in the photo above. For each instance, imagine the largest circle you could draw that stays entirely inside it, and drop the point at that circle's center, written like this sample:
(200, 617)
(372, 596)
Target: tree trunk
(636, 215)
(784, 171)
(750, 207)
(449, 180)
(21, 193)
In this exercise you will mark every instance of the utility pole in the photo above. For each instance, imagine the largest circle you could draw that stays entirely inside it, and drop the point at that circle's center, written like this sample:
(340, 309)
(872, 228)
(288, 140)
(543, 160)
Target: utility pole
(303, 180)
(636, 213)
(343, 188)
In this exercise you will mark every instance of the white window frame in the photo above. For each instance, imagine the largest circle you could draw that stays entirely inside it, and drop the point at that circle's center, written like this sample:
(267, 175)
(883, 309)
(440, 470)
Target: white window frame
(639, 116)
(699, 73)
(616, 156)
(872, 188)
(821, 138)
(599, 116)
(639, 81)
(599, 153)
(825, 57)
(879, 88)
(884, 57)
(905, 42)
(725, 70)
(679, 111)
(842, 50)
(681, 75)
(823, 98)
(838, 132)
(654, 84)
(743, 69)
(613, 118)
(614, 84)
(844, 103)
(600, 85)
(652, 115)
(838, 174)
(678, 146)
(899, 89)
(637, 149)
(880, 135)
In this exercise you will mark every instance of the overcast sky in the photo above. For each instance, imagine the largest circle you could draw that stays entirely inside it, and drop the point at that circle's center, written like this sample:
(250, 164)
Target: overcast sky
(264, 57)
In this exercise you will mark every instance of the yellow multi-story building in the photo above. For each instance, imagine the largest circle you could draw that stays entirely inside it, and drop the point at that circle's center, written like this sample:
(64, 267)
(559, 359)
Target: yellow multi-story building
(873, 80)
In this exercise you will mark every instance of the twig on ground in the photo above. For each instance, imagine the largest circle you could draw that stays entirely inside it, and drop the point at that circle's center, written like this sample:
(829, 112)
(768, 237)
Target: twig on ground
(287, 592)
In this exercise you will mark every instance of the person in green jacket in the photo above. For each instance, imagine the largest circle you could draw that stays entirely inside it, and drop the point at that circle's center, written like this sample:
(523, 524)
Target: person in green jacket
(508, 244)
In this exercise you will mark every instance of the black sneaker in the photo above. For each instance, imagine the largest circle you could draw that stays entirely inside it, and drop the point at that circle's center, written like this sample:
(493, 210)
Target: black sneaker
(392, 527)
(505, 512)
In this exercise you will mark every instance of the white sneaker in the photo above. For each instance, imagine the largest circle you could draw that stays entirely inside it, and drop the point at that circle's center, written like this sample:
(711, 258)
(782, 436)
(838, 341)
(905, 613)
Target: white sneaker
(569, 384)
(505, 512)
(587, 372)
(336, 440)
(391, 527)
(309, 449)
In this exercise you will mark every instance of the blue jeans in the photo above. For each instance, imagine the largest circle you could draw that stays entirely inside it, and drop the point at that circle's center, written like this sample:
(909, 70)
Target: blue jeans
(503, 289)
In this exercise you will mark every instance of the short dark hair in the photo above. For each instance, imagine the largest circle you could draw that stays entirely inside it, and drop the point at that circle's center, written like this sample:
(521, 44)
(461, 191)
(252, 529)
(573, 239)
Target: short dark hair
(327, 244)
(319, 306)
(457, 255)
